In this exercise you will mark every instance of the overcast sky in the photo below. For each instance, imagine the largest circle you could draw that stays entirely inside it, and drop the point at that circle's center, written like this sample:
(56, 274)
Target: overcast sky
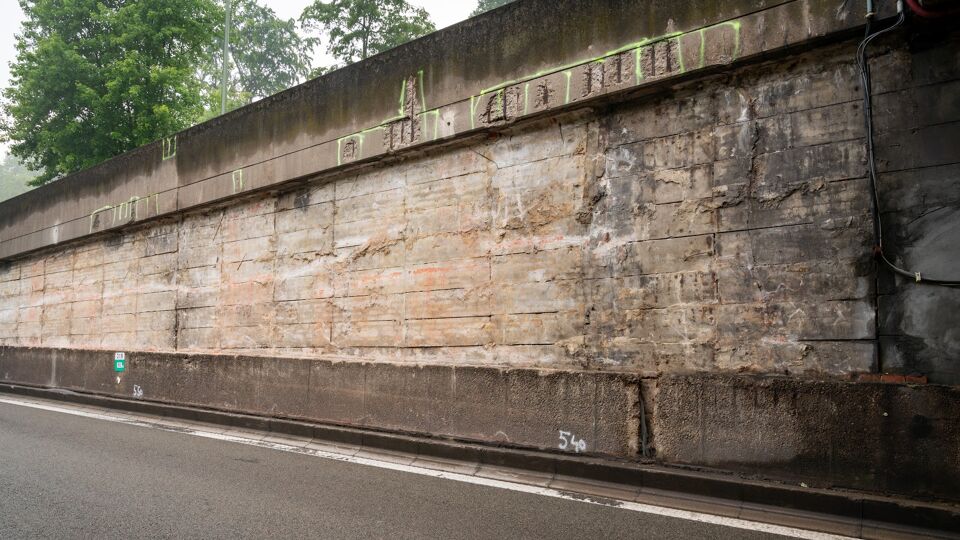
(443, 12)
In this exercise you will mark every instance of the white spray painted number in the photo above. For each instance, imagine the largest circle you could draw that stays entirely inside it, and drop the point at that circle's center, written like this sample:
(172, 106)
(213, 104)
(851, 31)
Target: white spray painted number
(569, 441)
(137, 391)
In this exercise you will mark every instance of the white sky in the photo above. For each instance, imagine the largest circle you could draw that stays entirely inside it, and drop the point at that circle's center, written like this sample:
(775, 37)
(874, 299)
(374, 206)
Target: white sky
(443, 12)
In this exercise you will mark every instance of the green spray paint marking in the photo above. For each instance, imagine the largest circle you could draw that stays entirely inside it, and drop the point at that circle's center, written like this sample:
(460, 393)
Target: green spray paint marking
(736, 36)
(236, 178)
(474, 100)
(473, 110)
(735, 25)
(571, 65)
(683, 69)
(125, 210)
(435, 113)
(359, 136)
(636, 47)
(423, 95)
(169, 147)
(638, 64)
(97, 211)
(526, 97)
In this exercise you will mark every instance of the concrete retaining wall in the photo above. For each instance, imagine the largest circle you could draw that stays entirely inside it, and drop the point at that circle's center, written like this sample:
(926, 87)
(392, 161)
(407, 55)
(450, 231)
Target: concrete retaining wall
(715, 227)
(515, 407)
(621, 187)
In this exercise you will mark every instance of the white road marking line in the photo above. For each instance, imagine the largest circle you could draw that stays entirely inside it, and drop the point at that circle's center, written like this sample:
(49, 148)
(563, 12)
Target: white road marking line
(458, 477)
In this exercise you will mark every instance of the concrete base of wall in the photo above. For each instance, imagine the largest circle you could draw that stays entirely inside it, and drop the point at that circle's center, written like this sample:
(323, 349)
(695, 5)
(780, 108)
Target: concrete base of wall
(879, 437)
(886, 438)
(515, 407)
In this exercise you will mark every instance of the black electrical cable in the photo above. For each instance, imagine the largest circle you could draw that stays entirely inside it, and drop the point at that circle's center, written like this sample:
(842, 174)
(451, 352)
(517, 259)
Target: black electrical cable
(864, 68)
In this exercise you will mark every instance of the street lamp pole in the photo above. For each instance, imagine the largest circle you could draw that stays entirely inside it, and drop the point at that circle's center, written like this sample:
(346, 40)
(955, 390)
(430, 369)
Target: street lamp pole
(225, 60)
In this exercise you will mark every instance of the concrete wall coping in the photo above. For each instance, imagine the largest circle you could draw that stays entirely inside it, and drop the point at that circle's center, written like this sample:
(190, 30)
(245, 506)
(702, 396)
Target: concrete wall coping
(526, 59)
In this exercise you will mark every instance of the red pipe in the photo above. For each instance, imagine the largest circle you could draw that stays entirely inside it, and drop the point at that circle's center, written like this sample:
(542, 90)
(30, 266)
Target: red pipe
(928, 13)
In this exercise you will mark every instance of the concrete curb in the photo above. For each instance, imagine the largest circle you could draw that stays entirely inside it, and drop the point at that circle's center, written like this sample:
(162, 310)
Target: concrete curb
(834, 511)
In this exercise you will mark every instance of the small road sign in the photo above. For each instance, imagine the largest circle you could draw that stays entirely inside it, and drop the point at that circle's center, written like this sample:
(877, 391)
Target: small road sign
(120, 361)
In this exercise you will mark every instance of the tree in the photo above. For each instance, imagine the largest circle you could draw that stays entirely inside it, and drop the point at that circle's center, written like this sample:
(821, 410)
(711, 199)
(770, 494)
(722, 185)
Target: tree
(486, 5)
(358, 29)
(95, 78)
(268, 53)
(267, 56)
(14, 178)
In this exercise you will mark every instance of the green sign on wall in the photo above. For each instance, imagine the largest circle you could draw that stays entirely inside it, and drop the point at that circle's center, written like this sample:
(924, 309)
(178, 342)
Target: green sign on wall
(120, 361)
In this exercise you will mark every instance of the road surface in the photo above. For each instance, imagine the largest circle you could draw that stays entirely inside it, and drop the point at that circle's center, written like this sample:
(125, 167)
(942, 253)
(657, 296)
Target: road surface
(63, 476)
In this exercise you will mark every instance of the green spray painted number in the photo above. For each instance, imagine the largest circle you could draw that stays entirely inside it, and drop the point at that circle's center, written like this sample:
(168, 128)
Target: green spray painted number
(119, 362)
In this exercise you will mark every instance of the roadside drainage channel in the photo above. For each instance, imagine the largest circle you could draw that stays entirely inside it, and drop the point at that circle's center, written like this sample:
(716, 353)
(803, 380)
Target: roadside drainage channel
(602, 481)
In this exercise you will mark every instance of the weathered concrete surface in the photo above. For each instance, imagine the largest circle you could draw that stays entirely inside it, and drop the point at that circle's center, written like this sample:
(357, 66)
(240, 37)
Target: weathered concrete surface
(715, 227)
(516, 407)
(918, 129)
(889, 437)
(529, 58)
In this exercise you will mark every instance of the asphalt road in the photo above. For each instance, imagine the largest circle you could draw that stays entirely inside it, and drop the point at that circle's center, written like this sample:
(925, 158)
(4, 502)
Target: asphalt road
(68, 476)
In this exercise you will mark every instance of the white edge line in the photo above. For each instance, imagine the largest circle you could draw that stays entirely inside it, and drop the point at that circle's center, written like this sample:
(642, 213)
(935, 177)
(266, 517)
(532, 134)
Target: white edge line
(458, 477)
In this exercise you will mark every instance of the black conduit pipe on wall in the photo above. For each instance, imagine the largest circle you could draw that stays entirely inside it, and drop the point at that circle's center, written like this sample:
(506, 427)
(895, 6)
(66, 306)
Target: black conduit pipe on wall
(864, 69)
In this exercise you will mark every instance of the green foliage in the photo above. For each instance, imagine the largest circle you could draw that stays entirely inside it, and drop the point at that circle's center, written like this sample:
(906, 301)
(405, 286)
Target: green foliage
(267, 56)
(323, 70)
(14, 178)
(358, 29)
(268, 53)
(487, 5)
(211, 97)
(95, 78)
